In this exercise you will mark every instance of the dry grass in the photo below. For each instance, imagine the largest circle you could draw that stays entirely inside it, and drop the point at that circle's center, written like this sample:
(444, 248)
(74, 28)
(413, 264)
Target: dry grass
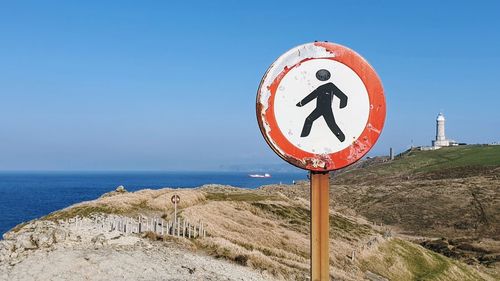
(273, 235)
(266, 229)
(236, 229)
(145, 202)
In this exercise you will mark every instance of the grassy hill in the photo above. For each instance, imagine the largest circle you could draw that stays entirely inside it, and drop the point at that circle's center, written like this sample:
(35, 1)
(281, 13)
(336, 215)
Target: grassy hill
(268, 230)
(448, 162)
(450, 197)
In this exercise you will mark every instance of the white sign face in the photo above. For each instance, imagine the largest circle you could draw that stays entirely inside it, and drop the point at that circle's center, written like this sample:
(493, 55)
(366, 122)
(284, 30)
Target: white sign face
(321, 106)
(300, 82)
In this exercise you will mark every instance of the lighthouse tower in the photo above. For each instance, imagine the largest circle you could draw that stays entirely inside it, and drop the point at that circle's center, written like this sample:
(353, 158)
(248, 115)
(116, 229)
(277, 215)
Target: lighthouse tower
(440, 127)
(440, 136)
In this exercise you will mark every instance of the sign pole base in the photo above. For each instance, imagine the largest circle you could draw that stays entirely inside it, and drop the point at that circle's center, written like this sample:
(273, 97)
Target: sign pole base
(320, 214)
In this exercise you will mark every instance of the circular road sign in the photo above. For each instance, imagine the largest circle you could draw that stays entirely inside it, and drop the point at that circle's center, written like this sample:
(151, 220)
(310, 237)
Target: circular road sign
(321, 106)
(175, 199)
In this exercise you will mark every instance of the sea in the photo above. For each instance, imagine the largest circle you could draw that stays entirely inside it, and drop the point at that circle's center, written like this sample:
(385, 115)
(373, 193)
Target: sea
(28, 195)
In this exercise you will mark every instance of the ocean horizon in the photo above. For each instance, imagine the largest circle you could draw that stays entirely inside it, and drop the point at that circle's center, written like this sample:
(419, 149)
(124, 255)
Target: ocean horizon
(27, 195)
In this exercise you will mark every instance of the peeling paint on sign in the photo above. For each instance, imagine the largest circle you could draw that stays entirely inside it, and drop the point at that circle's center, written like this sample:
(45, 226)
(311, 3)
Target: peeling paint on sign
(321, 106)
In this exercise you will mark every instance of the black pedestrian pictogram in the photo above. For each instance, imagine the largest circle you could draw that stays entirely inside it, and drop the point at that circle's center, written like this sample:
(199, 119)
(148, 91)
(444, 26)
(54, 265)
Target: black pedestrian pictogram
(324, 96)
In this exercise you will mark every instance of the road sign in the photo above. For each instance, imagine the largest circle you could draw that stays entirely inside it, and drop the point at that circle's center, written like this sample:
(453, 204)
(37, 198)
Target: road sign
(175, 199)
(321, 106)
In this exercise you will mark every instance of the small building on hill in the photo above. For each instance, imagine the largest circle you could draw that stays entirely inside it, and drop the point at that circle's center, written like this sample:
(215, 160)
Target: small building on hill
(441, 140)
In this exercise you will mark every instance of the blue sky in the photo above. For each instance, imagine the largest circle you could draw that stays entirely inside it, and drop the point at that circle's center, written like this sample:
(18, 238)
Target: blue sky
(159, 85)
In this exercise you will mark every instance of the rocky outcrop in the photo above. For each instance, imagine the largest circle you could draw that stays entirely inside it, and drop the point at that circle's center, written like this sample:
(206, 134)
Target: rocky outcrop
(80, 249)
(35, 235)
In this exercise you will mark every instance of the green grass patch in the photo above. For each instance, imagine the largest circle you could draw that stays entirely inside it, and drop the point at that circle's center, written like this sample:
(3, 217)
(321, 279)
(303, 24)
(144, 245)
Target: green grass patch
(237, 196)
(82, 211)
(346, 228)
(298, 218)
(402, 260)
(470, 159)
(292, 214)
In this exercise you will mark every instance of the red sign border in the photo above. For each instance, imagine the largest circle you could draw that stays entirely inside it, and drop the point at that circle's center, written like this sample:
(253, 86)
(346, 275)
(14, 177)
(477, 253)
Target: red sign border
(347, 156)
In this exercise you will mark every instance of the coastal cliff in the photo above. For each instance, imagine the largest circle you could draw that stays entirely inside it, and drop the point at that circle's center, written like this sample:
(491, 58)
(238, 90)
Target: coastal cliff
(258, 234)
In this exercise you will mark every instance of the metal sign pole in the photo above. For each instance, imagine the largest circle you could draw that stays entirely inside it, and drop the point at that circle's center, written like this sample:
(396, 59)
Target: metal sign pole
(320, 260)
(175, 211)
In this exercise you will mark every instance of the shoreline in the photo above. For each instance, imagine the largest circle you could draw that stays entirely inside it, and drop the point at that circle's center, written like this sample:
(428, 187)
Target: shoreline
(30, 196)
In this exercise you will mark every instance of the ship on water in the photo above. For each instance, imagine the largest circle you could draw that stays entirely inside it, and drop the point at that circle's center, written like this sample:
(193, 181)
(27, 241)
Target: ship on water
(266, 175)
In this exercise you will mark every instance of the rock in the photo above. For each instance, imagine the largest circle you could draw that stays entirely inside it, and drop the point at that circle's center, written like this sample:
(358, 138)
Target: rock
(99, 240)
(14, 262)
(441, 246)
(25, 241)
(34, 235)
(119, 190)
(7, 246)
(114, 235)
(190, 270)
(44, 239)
(59, 235)
(74, 238)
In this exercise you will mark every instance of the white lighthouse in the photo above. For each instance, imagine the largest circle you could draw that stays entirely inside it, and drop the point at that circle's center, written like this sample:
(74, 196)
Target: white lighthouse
(440, 127)
(440, 136)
